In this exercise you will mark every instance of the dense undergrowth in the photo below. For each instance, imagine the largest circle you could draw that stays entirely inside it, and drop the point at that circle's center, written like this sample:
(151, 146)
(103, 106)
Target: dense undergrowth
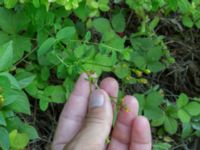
(45, 45)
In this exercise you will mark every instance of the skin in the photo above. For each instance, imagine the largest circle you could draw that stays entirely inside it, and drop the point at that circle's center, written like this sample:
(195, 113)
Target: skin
(81, 127)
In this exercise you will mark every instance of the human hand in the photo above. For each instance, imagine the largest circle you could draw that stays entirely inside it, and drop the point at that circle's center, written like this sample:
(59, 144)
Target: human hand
(86, 121)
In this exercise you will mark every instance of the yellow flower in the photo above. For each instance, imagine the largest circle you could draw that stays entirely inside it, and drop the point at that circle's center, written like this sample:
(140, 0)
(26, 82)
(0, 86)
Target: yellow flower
(137, 72)
(143, 81)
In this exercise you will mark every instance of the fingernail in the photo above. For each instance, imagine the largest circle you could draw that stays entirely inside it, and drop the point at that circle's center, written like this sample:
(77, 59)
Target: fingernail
(96, 99)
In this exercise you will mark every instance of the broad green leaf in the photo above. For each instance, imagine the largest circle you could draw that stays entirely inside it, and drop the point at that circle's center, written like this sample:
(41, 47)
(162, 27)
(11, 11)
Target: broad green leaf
(67, 33)
(24, 78)
(103, 5)
(152, 112)
(82, 11)
(46, 46)
(161, 146)
(45, 73)
(20, 101)
(187, 21)
(30, 131)
(122, 70)
(3, 37)
(170, 125)
(171, 111)
(138, 60)
(79, 51)
(6, 56)
(36, 3)
(116, 43)
(13, 21)
(197, 24)
(182, 100)
(102, 25)
(21, 44)
(196, 123)
(193, 108)
(4, 84)
(13, 122)
(44, 102)
(118, 22)
(186, 131)
(10, 3)
(184, 116)
(4, 139)
(184, 6)
(154, 98)
(104, 60)
(154, 54)
(18, 140)
(158, 122)
(155, 66)
(173, 4)
(55, 94)
(2, 119)
(14, 83)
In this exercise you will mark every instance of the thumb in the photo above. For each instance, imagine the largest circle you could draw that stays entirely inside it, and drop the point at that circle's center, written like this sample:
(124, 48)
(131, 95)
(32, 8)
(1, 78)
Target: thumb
(97, 124)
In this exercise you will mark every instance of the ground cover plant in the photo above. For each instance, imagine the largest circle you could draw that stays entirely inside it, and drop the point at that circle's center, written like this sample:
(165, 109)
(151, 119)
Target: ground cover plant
(150, 46)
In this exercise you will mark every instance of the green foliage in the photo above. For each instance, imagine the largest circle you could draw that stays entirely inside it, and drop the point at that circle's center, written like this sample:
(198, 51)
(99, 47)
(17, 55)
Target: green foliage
(45, 45)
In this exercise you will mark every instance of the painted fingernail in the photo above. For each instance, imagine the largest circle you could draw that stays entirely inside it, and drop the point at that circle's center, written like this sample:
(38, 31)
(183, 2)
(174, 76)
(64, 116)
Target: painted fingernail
(96, 99)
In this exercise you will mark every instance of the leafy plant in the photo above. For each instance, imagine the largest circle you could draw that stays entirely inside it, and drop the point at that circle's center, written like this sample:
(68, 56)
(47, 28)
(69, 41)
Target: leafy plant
(45, 45)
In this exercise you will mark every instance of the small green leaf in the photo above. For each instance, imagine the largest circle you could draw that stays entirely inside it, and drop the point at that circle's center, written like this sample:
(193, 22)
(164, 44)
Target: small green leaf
(102, 25)
(187, 21)
(154, 98)
(24, 78)
(161, 146)
(153, 24)
(20, 101)
(10, 3)
(152, 112)
(55, 94)
(154, 54)
(45, 73)
(158, 122)
(184, 116)
(30, 131)
(67, 33)
(36, 3)
(184, 6)
(18, 140)
(173, 4)
(170, 125)
(4, 139)
(138, 60)
(46, 46)
(6, 56)
(79, 51)
(2, 119)
(182, 100)
(186, 131)
(118, 22)
(193, 108)
(105, 60)
(122, 70)
(82, 11)
(14, 83)
(44, 103)
(197, 24)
